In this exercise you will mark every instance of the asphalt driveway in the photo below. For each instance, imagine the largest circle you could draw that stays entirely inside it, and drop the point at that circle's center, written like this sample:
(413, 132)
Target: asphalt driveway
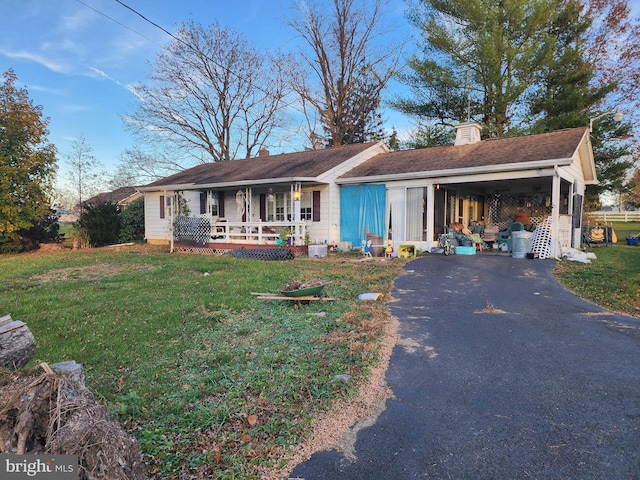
(499, 373)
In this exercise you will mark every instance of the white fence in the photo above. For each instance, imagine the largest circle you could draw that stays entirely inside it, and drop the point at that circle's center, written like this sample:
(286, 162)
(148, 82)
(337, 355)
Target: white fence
(607, 217)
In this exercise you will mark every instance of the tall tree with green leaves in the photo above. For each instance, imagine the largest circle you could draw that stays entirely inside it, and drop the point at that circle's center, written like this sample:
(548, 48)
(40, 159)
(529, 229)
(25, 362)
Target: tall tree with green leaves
(27, 160)
(570, 91)
(479, 58)
(565, 95)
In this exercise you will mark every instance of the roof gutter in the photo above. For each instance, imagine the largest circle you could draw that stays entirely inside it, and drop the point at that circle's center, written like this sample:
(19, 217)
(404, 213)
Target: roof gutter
(244, 183)
(509, 167)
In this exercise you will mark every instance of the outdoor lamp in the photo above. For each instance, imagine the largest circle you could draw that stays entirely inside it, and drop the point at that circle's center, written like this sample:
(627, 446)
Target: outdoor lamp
(296, 195)
(618, 115)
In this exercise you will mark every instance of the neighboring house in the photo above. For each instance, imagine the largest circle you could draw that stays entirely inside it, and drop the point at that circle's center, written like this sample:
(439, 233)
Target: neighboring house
(122, 197)
(355, 192)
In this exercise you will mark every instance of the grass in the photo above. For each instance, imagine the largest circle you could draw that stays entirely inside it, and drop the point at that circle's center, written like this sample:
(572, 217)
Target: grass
(213, 383)
(612, 280)
(67, 231)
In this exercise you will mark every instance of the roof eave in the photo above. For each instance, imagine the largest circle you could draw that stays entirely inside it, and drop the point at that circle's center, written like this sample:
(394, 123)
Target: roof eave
(509, 167)
(244, 183)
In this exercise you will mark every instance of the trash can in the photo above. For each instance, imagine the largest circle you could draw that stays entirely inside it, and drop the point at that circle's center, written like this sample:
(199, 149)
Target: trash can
(520, 243)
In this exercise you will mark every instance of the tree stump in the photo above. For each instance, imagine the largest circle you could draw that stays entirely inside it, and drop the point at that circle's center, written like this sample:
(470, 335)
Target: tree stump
(17, 344)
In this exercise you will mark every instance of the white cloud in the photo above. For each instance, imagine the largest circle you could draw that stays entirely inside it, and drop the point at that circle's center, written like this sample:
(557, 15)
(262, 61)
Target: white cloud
(34, 57)
(102, 74)
(132, 87)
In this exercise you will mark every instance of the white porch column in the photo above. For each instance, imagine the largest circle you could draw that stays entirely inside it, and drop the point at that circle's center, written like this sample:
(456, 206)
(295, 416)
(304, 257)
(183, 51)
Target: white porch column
(297, 195)
(430, 216)
(555, 215)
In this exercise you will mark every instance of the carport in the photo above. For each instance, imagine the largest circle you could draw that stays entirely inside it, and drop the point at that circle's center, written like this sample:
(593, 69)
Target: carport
(479, 182)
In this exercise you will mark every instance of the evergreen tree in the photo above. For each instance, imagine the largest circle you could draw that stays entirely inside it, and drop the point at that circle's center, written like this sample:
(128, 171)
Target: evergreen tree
(132, 222)
(100, 223)
(568, 96)
(427, 136)
(393, 142)
(480, 53)
(613, 160)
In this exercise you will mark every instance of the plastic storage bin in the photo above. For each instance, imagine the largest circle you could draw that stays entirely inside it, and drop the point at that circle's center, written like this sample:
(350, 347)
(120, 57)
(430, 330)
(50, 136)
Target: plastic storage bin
(317, 251)
(407, 251)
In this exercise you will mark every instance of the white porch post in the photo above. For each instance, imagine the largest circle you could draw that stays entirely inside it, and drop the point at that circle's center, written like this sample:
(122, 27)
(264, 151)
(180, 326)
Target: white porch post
(297, 194)
(430, 216)
(171, 217)
(249, 203)
(578, 189)
(555, 215)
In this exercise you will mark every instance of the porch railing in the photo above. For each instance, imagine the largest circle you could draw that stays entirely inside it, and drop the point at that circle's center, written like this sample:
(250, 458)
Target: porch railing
(261, 233)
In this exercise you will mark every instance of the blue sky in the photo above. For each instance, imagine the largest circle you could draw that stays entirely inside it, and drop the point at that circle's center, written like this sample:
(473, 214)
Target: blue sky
(79, 65)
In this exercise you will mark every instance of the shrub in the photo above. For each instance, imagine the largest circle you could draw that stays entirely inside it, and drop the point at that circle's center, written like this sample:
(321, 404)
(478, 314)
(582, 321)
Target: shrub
(45, 230)
(100, 223)
(132, 222)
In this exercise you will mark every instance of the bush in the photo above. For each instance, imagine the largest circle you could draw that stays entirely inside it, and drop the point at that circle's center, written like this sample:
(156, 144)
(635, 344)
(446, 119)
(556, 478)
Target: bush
(46, 230)
(132, 222)
(100, 223)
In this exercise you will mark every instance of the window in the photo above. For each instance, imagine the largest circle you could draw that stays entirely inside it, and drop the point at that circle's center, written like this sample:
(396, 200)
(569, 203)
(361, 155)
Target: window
(203, 203)
(416, 214)
(214, 204)
(281, 206)
(305, 206)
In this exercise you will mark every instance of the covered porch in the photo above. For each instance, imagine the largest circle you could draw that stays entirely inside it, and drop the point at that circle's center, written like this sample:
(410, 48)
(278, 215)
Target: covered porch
(421, 214)
(418, 212)
(247, 216)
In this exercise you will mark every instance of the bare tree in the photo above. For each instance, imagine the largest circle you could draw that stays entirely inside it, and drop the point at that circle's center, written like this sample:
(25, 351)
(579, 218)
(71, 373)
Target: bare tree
(211, 93)
(346, 67)
(137, 166)
(84, 175)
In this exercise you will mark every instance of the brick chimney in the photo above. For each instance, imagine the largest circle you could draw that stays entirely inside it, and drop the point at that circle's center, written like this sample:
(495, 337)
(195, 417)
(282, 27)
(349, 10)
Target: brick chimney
(263, 152)
(467, 133)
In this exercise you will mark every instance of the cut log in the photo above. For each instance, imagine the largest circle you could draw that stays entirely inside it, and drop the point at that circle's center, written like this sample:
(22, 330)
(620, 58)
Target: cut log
(17, 344)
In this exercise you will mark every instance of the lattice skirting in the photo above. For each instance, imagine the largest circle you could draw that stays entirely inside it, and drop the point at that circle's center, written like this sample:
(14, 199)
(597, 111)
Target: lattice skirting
(203, 250)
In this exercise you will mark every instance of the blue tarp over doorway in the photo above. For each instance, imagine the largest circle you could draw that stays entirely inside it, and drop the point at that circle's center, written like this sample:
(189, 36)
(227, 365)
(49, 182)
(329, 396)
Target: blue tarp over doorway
(362, 210)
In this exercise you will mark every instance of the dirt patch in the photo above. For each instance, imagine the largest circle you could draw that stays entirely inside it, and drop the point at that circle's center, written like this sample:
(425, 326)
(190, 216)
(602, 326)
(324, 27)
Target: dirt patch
(46, 414)
(87, 272)
(49, 247)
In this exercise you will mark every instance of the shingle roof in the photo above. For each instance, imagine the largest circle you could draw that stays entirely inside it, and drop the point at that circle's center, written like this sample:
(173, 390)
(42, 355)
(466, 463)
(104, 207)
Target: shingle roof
(114, 196)
(560, 144)
(307, 164)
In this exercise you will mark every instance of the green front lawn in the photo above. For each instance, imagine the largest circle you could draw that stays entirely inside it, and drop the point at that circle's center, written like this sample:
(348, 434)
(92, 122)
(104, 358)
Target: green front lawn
(212, 382)
(613, 279)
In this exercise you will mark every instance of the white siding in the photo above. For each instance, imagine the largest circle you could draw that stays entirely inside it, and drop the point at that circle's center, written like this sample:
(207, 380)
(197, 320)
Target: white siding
(321, 231)
(155, 227)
